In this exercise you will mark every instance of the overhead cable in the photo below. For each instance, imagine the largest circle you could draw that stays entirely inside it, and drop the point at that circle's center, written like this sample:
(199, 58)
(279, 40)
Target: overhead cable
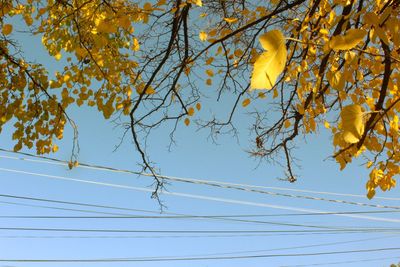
(200, 258)
(223, 200)
(55, 161)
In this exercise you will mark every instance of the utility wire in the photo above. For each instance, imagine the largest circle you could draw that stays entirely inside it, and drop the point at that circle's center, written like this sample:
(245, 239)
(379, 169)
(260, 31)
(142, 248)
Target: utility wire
(290, 248)
(232, 218)
(153, 217)
(64, 209)
(146, 217)
(199, 258)
(178, 215)
(339, 262)
(240, 189)
(362, 230)
(183, 236)
(55, 161)
(224, 200)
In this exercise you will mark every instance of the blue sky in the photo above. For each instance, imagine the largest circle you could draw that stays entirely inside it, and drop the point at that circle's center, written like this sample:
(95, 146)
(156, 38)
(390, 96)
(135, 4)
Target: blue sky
(194, 156)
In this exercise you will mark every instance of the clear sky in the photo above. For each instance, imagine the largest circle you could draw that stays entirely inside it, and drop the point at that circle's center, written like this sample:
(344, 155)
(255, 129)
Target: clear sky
(280, 240)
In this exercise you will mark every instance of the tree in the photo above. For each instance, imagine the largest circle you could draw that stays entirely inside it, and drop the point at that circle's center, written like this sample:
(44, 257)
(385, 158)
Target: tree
(318, 63)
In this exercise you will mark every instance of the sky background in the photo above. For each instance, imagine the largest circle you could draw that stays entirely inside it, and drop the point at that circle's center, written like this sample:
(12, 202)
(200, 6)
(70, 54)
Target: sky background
(195, 156)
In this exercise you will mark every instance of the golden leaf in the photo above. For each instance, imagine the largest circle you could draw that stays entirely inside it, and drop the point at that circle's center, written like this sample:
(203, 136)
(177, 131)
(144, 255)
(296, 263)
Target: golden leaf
(336, 80)
(197, 2)
(231, 20)
(271, 63)
(246, 102)
(352, 123)
(203, 36)
(347, 41)
(190, 111)
(210, 72)
(58, 56)
(187, 121)
(209, 60)
(7, 29)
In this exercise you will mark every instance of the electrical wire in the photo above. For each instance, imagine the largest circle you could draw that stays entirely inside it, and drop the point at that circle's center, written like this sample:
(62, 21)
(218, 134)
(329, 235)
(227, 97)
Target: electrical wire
(224, 200)
(183, 236)
(362, 230)
(339, 262)
(179, 179)
(236, 188)
(143, 259)
(177, 215)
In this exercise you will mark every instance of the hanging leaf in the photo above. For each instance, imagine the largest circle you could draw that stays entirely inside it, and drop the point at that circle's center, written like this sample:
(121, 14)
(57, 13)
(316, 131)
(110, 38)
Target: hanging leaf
(203, 36)
(196, 2)
(231, 20)
(271, 63)
(336, 80)
(190, 111)
(7, 29)
(246, 102)
(187, 121)
(352, 123)
(347, 41)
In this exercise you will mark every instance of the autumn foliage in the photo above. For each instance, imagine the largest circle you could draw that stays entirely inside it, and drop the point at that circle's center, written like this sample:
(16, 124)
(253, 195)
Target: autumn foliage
(315, 63)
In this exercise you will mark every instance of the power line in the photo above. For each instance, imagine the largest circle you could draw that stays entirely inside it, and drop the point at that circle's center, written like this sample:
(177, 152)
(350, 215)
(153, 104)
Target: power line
(182, 236)
(179, 179)
(152, 217)
(178, 215)
(224, 200)
(199, 258)
(78, 203)
(227, 253)
(377, 230)
(290, 248)
(339, 262)
(226, 187)
(232, 218)
(146, 217)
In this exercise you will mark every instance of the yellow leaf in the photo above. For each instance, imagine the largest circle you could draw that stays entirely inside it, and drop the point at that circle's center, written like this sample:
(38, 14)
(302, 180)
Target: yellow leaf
(231, 20)
(275, 93)
(210, 72)
(148, 6)
(261, 95)
(382, 35)
(196, 2)
(124, 22)
(327, 125)
(135, 45)
(106, 26)
(209, 82)
(198, 106)
(187, 121)
(352, 123)
(58, 56)
(203, 36)
(287, 124)
(209, 60)
(347, 41)
(271, 63)
(238, 52)
(336, 80)
(246, 102)
(55, 148)
(7, 29)
(190, 111)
